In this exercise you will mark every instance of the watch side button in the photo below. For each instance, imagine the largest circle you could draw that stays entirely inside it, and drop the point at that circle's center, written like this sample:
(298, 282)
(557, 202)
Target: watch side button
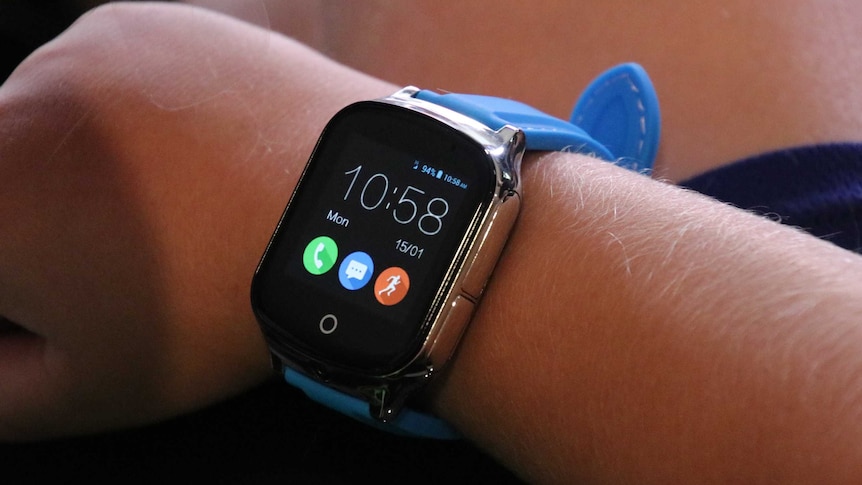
(446, 339)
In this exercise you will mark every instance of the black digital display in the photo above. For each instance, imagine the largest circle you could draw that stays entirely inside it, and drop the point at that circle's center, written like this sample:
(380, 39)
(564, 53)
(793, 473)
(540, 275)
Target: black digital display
(363, 254)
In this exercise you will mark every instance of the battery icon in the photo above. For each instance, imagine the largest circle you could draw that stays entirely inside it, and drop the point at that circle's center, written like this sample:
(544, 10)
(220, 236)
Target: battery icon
(439, 174)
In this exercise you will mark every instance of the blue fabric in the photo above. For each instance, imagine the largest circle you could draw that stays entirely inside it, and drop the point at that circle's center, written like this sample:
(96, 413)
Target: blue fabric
(817, 188)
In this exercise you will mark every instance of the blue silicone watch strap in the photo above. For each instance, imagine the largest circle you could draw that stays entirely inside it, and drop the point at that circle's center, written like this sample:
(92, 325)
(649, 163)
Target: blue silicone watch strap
(620, 110)
(616, 119)
(544, 132)
(408, 422)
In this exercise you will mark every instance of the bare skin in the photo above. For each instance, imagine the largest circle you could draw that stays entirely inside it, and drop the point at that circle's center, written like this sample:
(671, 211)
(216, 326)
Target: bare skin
(672, 338)
(734, 77)
(137, 198)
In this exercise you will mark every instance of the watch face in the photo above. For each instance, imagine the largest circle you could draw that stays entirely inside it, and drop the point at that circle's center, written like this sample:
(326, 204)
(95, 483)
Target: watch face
(371, 239)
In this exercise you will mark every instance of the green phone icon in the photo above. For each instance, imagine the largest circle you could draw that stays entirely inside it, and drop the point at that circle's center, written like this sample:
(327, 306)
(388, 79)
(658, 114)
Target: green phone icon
(320, 255)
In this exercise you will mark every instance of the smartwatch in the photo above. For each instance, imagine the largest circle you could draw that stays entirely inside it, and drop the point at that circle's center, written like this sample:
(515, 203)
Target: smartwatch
(398, 219)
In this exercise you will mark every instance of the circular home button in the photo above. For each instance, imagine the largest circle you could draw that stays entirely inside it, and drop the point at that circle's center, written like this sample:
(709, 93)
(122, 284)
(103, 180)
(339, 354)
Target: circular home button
(328, 324)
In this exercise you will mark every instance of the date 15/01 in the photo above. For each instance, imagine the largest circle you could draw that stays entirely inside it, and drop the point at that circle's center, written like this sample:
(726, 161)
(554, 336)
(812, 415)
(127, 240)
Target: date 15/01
(409, 248)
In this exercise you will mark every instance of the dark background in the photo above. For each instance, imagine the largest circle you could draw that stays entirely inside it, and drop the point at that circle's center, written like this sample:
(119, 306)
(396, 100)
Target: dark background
(269, 434)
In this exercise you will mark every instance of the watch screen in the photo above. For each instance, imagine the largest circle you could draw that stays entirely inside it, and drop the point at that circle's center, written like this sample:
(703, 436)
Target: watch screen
(364, 252)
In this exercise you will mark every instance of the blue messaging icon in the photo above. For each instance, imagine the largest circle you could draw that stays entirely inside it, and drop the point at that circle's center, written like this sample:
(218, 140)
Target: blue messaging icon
(356, 270)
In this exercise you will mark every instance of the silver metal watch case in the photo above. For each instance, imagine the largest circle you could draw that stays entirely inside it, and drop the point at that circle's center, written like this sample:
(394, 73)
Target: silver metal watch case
(457, 294)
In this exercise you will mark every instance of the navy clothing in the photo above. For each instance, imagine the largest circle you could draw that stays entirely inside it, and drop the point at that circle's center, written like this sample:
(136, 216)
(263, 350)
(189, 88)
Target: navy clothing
(816, 188)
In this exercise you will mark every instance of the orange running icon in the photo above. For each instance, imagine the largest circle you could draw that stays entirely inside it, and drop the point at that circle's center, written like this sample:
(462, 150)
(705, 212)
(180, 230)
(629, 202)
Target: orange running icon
(391, 286)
